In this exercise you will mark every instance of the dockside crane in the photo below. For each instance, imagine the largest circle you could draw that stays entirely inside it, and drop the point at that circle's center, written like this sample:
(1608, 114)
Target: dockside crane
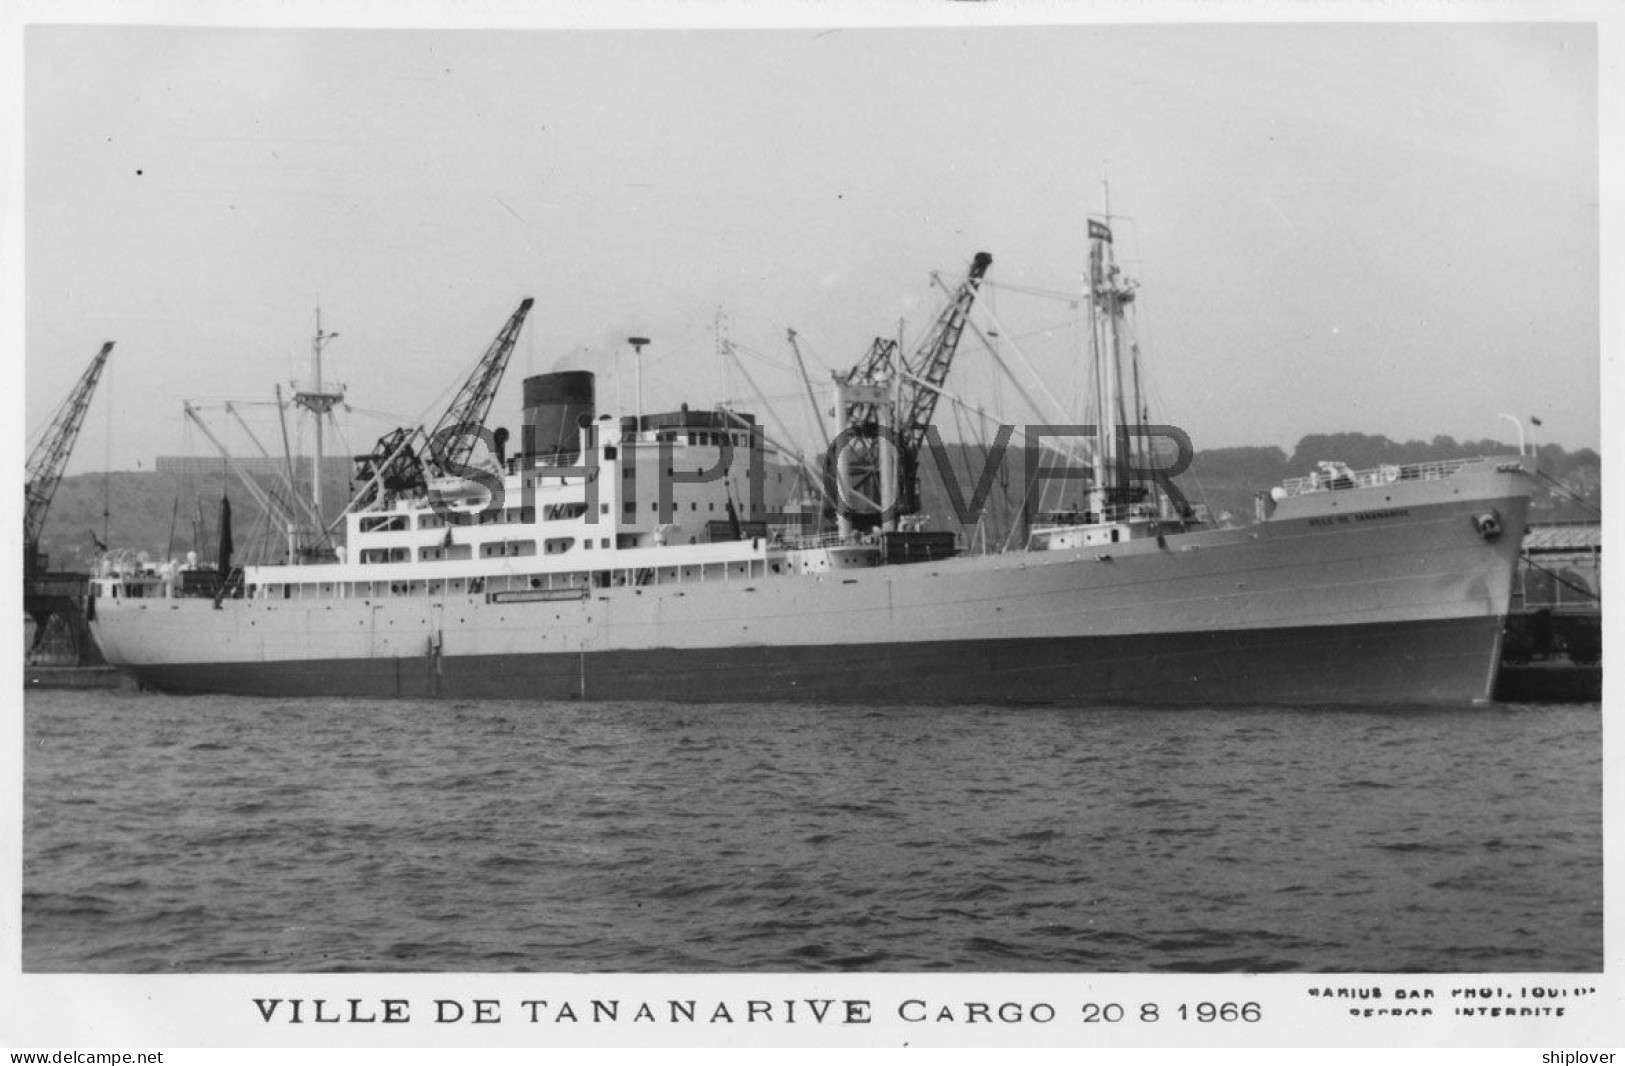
(929, 368)
(404, 460)
(50, 457)
(919, 379)
(452, 440)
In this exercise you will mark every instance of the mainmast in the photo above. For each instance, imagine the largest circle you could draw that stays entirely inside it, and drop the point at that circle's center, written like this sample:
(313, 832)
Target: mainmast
(319, 401)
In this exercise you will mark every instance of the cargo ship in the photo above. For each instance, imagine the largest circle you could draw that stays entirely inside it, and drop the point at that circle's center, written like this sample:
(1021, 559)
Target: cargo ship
(665, 556)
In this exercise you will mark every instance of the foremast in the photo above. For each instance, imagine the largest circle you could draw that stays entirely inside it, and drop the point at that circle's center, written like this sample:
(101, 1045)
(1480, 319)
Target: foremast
(1109, 294)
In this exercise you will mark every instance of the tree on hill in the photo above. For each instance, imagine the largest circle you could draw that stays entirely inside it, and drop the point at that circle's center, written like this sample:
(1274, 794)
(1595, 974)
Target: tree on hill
(1364, 451)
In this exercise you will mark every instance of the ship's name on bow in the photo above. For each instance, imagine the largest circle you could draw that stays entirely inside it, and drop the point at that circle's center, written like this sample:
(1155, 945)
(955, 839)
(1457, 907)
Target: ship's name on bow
(1360, 516)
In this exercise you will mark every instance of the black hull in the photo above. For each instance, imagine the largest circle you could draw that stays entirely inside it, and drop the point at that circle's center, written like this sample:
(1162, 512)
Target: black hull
(1403, 662)
(1553, 682)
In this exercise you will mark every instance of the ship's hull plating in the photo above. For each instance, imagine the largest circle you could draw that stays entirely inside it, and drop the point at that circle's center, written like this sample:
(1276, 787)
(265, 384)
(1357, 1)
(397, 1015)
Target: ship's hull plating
(1424, 662)
(1386, 595)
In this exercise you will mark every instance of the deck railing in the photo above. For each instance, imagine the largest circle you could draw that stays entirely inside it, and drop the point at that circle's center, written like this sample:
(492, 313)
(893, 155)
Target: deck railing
(1335, 476)
(815, 540)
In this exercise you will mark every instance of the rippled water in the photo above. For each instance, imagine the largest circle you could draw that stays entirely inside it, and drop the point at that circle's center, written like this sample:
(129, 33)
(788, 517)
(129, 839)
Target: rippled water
(229, 835)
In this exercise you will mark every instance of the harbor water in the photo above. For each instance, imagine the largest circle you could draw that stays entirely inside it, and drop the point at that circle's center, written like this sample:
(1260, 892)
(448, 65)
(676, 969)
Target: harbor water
(205, 834)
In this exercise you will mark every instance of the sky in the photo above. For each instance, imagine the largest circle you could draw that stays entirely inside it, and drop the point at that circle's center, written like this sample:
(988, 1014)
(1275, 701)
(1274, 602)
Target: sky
(1382, 227)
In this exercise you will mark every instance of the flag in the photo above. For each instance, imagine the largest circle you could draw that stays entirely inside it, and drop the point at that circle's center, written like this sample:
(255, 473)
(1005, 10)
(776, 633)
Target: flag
(1098, 231)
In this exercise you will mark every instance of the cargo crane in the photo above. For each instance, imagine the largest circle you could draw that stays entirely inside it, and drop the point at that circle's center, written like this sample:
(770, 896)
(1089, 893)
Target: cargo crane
(919, 380)
(50, 458)
(929, 369)
(451, 442)
(404, 460)
(56, 601)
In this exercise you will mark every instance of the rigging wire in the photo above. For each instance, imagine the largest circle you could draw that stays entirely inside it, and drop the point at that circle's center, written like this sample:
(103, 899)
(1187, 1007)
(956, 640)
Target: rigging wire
(1560, 579)
(769, 408)
(1056, 406)
(1029, 290)
(1563, 490)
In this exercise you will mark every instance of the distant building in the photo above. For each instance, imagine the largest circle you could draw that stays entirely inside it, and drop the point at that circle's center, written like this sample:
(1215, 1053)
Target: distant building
(259, 466)
(1561, 568)
(1556, 616)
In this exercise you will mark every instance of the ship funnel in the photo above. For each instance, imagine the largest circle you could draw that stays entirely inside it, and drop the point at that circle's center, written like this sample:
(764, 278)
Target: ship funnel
(556, 407)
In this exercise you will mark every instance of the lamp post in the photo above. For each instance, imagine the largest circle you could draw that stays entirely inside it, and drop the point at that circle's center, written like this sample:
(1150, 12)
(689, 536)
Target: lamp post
(1518, 423)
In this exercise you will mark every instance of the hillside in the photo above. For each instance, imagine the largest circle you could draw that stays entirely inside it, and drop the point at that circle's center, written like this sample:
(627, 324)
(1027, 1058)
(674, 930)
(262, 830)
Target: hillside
(160, 514)
(167, 514)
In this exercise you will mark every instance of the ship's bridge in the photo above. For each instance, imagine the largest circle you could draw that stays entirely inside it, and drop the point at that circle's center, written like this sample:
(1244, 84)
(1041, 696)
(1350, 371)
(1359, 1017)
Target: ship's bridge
(583, 483)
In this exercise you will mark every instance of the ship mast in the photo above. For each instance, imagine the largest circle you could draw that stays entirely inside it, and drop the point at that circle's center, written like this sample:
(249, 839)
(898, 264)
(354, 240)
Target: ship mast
(1109, 293)
(319, 401)
(1099, 309)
